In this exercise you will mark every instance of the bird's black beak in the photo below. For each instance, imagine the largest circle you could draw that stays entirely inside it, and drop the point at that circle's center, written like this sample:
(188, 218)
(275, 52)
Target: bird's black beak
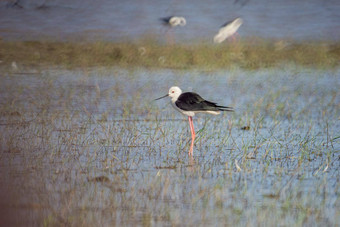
(162, 97)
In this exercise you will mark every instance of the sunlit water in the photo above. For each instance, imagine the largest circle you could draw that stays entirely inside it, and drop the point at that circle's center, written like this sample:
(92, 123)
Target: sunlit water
(117, 20)
(62, 129)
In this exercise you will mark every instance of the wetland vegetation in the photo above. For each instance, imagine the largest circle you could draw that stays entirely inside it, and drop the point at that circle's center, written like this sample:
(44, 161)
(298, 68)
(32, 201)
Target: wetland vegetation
(246, 53)
(83, 144)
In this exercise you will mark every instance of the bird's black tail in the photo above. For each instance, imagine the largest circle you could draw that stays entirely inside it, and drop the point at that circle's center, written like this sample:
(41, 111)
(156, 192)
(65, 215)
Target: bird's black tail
(225, 108)
(165, 20)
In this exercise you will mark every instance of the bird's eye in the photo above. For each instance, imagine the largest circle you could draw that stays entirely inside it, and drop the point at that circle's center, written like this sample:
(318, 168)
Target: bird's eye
(172, 91)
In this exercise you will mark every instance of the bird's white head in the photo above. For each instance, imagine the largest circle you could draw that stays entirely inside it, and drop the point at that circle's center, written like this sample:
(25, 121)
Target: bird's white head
(237, 22)
(174, 93)
(182, 22)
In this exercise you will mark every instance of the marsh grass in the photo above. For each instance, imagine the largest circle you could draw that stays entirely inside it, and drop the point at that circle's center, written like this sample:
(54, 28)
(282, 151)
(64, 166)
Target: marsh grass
(63, 163)
(252, 53)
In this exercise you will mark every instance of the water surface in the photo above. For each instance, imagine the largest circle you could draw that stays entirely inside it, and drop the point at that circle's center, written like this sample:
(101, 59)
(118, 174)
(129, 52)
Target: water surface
(122, 20)
(91, 146)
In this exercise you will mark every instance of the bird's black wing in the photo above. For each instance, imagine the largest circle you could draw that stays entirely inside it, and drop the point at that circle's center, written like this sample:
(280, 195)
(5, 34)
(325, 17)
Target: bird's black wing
(226, 23)
(165, 20)
(229, 22)
(190, 101)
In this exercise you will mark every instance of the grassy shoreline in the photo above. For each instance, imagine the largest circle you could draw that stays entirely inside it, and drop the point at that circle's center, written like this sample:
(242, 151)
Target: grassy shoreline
(247, 54)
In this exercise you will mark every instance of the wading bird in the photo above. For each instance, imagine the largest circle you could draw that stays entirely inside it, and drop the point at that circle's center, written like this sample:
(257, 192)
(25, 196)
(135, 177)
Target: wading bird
(174, 21)
(228, 29)
(189, 103)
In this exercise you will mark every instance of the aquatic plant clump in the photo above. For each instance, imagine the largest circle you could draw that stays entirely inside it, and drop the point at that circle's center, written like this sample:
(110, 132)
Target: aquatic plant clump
(248, 54)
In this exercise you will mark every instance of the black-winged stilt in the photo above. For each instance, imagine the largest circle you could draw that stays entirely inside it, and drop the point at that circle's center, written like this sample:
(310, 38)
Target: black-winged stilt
(174, 21)
(228, 29)
(189, 103)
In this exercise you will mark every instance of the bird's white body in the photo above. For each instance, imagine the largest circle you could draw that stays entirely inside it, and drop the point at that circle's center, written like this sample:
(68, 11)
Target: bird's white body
(175, 21)
(192, 113)
(228, 30)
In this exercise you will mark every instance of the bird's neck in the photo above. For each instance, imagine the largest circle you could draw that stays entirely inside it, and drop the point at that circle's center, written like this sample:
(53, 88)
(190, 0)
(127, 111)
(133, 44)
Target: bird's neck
(175, 98)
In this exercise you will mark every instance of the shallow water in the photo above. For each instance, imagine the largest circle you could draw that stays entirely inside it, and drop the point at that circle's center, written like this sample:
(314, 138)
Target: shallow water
(117, 20)
(92, 147)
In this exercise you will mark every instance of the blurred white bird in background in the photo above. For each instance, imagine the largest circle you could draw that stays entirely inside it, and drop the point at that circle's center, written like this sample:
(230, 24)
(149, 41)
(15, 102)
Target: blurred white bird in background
(227, 30)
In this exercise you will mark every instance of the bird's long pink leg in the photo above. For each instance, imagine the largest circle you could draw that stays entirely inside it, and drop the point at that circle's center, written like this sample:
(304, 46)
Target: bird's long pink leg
(234, 36)
(192, 135)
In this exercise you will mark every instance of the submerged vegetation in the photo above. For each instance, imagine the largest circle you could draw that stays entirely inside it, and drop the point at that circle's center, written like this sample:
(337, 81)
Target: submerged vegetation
(89, 147)
(245, 53)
